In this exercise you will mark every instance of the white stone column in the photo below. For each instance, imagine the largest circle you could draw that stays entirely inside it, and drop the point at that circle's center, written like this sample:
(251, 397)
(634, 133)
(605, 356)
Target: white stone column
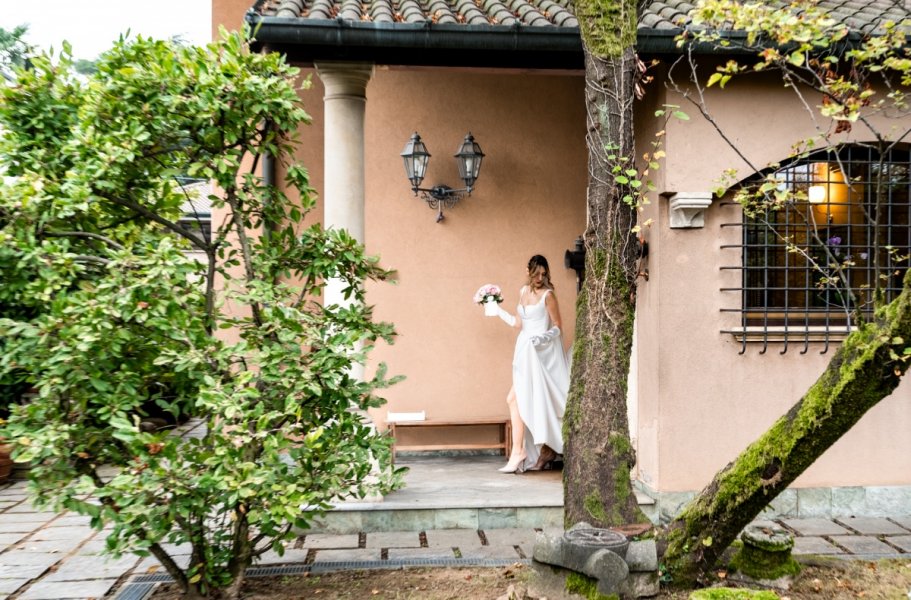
(344, 106)
(344, 103)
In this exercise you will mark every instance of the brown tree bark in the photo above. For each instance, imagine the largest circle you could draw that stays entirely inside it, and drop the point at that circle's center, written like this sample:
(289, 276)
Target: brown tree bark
(865, 369)
(599, 456)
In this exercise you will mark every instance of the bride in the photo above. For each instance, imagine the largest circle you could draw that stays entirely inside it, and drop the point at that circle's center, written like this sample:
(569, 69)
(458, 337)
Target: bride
(540, 374)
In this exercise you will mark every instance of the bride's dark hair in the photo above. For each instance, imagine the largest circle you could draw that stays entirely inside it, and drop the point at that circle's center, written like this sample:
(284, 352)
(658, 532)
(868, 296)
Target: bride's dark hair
(539, 261)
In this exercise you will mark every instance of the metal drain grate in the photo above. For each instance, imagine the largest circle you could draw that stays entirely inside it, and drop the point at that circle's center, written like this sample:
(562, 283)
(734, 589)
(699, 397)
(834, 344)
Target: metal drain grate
(415, 562)
(271, 571)
(136, 591)
(152, 578)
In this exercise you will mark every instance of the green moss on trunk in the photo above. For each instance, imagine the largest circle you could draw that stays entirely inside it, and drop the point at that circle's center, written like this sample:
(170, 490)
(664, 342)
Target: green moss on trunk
(863, 371)
(608, 26)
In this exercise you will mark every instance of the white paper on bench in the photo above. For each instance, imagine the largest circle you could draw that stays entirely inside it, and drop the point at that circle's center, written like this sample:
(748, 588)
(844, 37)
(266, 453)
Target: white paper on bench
(399, 417)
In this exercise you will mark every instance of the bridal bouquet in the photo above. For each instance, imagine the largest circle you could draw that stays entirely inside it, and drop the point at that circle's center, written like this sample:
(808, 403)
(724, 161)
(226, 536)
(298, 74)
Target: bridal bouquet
(489, 296)
(487, 293)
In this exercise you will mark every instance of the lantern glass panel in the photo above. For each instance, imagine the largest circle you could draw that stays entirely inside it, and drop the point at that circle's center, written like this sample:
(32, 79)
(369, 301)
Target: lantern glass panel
(415, 157)
(469, 160)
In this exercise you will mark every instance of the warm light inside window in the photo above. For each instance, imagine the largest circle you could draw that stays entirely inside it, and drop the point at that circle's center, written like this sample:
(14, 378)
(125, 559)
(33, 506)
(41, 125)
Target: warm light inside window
(816, 194)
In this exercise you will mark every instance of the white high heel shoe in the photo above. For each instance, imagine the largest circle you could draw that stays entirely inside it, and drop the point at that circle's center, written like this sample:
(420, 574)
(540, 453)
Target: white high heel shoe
(516, 464)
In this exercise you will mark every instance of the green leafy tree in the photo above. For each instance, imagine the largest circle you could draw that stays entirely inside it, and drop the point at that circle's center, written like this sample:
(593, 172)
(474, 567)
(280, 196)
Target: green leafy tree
(845, 81)
(85, 66)
(107, 316)
(13, 50)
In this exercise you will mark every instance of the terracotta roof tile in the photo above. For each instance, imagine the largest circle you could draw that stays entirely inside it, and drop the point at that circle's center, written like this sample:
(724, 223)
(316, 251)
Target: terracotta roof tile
(862, 15)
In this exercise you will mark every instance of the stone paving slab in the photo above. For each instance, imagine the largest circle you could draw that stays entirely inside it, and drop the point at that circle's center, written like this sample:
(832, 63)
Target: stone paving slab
(8, 586)
(172, 549)
(815, 527)
(347, 554)
(31, 510)
(33, 519)
(17, 526)
(904, 521)
(48, 546)
(61, 533)
(70, 520)
(150, 564)
(510, 537)
(863, 544)
(14, 497)
(871, 525)
(325, 540)
(419, 553)
(29, 558)
(79, 568)
(65, 590)
(452, 538)
(97, 546)
(493, 552)
(290, 555)
(8, 539)
(900, 541)
(814, 545)
(394, 539)
(21, 571)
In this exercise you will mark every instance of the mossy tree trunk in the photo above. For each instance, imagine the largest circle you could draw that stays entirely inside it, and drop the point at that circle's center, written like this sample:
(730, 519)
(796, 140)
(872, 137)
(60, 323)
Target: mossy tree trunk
(598, 453)
(865, 369)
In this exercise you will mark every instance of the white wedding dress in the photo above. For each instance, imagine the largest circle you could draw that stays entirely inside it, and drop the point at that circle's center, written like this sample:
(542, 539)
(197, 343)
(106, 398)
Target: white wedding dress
(540, 376)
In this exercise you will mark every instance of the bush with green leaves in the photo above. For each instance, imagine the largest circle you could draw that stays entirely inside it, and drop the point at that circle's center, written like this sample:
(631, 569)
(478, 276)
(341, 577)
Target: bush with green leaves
(105, 314)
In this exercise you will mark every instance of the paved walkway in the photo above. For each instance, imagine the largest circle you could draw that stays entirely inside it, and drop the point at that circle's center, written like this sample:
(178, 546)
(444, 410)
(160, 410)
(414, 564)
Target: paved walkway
(52, 556)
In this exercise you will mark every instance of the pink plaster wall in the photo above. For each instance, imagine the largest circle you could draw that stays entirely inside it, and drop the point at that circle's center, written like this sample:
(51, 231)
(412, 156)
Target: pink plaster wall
(700, 401)
(529, 199)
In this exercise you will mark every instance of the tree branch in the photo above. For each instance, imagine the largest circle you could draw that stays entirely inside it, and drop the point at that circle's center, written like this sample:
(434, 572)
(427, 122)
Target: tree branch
(153, 216)
(84, 234)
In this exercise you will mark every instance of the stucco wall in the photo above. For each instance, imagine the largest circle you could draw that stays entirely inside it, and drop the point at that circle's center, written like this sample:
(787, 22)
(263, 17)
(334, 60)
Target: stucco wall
(698, 401)
(530, 198)
(706, 401)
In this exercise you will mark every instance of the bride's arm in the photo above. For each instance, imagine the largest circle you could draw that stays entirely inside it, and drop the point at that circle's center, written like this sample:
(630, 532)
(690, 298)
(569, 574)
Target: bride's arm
(553, 310)
(508, 318)
(556, 330)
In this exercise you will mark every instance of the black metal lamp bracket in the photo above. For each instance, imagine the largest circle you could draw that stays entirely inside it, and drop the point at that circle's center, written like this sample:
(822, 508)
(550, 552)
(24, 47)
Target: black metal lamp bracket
(440, 196)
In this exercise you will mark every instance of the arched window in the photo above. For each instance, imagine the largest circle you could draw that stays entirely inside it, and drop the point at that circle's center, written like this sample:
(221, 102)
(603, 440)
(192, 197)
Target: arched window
(812, 260)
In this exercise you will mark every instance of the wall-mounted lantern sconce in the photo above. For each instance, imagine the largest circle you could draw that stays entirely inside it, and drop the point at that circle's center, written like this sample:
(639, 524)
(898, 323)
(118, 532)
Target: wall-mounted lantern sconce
(416, 158)
(575, 259)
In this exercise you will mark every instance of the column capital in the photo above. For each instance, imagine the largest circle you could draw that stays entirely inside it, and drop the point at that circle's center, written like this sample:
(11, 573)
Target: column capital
(344, 79)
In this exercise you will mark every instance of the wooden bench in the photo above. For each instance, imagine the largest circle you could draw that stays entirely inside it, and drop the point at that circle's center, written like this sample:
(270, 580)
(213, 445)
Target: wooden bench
(504, 444)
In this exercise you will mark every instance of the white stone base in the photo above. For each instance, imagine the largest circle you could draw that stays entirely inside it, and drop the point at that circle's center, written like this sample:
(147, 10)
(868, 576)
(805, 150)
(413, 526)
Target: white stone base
(799, 503)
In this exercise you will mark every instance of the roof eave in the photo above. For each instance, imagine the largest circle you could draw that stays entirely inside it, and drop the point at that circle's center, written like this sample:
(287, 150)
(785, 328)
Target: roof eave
(420, 44)
(306, 41)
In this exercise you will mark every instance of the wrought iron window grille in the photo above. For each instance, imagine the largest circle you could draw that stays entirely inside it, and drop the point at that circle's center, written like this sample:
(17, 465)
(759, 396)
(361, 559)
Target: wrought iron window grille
(809, 264)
